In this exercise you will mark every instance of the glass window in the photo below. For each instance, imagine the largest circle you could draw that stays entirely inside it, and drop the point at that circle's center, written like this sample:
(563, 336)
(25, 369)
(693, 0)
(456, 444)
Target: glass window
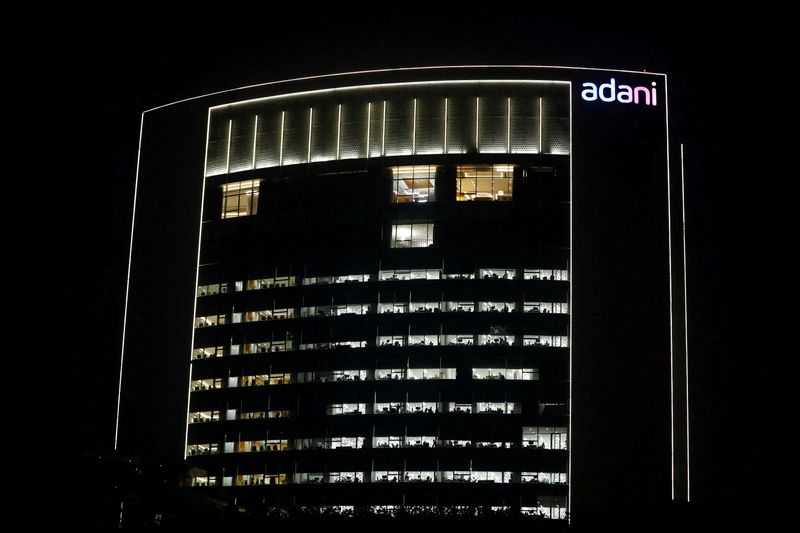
(379, 476)
(496, 307)
(405, 275)
(389, 407)
(240, 199)
(210, 290)
(345, 442)
(203, 416)
(549, 438)
(495, 340)
(264, 347)
(208, 352)
(345, 278)
(470, 275)
(412, 235)
(212, 320)
(546, 307)
(206, 384)
(421, 442)
(459, 339)
(546, 274)
(390, 373)
(420, 475)
(422, 407)
(460, 307)
(425, 307)
(484, 182)
(388, 442)
(413, 184)
(497, 273)
(557, 341)
(495, 407)
(454, 407)
(329, 376)
(431, 373)
(347, 409)
(270, 283)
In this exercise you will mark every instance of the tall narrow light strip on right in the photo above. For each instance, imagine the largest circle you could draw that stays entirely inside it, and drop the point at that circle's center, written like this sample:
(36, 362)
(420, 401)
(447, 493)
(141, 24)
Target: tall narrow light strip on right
(128, 277)
(444, 147)
(570, 271)
(310, 125)
(508, 126)
(414, 130)
(671, 318)
(228, 150)
(280, 149)
(686, 322)
(196, 283)
(255, 140)
(383, 131)
(339, 133)
(541, 129)
(477, 121)
(369, 121)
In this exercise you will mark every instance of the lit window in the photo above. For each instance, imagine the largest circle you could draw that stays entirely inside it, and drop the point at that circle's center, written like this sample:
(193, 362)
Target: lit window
(549, 438)
(412, 235)
(484, 182)
(240, 199)
(413, 184)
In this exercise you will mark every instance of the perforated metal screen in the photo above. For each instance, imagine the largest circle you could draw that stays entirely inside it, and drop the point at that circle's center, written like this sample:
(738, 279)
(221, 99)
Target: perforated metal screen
(402, 120)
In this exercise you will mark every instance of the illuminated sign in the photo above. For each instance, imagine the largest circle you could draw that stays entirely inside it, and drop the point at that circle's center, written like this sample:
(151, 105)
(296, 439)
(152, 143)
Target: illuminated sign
(624, 94)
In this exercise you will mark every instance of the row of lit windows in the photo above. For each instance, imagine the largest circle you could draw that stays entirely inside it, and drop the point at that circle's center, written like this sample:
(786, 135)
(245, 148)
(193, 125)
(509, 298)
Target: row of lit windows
(379, 374)
(383, 408)
(427, 307)
(384, 275)
(282, 313)
(394, 476)
(460, 339)
(251, 285)
(420, 407)
(430, 476)
(546, 438)
(413, 183)
(469, 339)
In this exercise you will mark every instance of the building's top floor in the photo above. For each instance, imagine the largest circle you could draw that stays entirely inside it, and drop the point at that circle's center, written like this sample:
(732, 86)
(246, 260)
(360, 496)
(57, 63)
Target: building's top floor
(389, 120)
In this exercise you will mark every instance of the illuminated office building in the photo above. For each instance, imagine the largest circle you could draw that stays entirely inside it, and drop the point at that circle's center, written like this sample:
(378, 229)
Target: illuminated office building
(425, 287)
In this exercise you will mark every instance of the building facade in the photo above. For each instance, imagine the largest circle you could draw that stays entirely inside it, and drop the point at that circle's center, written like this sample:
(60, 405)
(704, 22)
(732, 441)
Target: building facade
(416, 288)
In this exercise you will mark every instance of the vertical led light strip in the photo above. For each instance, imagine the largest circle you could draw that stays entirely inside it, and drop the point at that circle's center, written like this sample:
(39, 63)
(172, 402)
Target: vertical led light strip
(686, 320)
(414, 130)
(280, 148)
(477, 120)
(508, 127)
(570, 270)
(128, 280)
(445, 126)
(228, 151)
(339, 132)
(196, 282)
(310, 124)
(541, 121)
(369, 121)
(255, 140)
(383, 131)
(671, 342)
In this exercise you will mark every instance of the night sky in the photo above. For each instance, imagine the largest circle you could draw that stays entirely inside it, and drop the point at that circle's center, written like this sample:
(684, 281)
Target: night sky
(105, 74)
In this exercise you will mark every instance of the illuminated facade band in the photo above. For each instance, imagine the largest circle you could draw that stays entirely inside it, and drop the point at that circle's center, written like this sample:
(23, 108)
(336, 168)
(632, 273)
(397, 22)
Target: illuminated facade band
(419, 288)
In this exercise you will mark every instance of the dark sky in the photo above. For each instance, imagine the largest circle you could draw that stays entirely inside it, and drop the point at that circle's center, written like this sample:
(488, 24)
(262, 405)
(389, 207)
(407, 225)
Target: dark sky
(106, 73)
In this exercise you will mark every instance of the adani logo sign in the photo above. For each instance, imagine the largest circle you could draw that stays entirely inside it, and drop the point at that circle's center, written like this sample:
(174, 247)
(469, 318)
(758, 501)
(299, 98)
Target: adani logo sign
(624, 94)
